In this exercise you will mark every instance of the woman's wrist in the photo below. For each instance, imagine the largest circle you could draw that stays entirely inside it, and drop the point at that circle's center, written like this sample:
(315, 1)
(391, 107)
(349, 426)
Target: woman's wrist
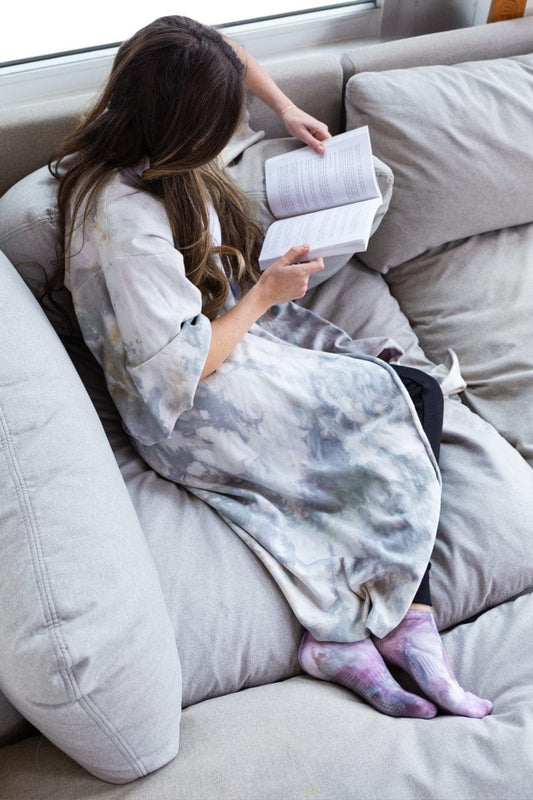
(259, 298)
(285, 110)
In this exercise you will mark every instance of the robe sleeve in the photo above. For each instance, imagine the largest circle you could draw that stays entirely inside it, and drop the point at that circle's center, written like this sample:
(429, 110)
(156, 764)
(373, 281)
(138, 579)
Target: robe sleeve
(140, 314)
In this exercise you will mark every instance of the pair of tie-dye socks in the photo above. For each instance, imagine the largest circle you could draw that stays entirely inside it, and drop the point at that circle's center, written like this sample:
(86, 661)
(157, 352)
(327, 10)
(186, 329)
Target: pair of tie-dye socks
(415, 646)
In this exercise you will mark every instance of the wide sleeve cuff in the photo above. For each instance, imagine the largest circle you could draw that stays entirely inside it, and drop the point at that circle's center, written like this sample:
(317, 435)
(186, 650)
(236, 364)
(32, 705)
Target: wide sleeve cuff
(167, 381)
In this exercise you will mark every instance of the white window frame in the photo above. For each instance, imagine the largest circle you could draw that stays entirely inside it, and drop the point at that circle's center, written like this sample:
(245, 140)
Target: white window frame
(83, 73)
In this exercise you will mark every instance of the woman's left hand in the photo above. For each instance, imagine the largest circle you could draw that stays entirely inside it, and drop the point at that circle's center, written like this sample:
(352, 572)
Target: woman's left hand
(306, 128)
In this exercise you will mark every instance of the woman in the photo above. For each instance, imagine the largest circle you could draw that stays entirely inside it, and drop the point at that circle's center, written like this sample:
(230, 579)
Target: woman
(306, 441)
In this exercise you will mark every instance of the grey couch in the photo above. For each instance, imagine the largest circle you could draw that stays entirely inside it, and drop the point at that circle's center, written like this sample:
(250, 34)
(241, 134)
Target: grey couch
(123, 598)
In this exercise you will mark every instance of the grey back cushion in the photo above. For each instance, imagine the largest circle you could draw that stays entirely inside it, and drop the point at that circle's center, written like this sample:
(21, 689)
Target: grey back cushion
(458, 140)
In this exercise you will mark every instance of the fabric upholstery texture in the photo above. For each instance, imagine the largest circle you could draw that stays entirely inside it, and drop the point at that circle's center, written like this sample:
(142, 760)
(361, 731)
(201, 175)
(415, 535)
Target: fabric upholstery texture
(302, 738)
(32, 132)
(82, 609)
(459, 171)
(475, 295)
(314, 83)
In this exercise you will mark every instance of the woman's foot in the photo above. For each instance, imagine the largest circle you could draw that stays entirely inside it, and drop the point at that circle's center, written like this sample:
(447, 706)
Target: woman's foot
(359, 667)
(415, 646)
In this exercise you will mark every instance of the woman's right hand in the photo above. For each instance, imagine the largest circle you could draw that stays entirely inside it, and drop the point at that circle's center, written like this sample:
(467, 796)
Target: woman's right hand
(287, 278)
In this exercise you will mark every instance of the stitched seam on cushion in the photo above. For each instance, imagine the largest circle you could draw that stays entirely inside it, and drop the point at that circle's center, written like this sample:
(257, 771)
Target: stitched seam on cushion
(53, 623)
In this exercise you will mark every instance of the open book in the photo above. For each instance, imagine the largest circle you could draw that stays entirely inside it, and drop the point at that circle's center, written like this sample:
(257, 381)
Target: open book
(328, 201)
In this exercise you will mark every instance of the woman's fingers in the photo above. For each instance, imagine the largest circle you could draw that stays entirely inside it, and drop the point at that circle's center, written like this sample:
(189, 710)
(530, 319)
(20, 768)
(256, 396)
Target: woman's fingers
(296, 253)
(315, 265)
(321, 132)
(314, 135)
(288, 277)
(306, 128)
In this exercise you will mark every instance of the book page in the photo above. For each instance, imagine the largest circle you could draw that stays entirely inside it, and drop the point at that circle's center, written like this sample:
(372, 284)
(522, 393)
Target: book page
(332, 231)
(302, 181)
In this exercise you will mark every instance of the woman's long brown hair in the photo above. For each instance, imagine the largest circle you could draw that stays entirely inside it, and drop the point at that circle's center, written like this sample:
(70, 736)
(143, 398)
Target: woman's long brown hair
(175, 96)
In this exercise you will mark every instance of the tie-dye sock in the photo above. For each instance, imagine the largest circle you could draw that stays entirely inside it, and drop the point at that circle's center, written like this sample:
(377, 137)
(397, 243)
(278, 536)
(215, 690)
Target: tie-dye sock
(415, 646)
(359, 667)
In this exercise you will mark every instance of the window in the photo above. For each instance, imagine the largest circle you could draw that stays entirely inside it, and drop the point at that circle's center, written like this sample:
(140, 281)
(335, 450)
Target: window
(60, 53)
(33, 30)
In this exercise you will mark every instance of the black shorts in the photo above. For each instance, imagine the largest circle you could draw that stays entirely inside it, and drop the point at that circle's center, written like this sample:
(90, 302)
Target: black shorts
(427, 398)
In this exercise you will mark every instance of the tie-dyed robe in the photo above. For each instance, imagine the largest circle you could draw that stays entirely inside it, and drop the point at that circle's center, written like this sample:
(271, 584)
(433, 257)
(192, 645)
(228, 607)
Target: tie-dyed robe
(304, 440)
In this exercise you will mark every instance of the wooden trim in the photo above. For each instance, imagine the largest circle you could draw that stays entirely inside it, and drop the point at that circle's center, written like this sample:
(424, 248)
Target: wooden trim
(506, 9)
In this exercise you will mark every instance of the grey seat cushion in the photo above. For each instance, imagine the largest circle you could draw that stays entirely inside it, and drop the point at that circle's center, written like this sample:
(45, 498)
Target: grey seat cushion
(302, 738)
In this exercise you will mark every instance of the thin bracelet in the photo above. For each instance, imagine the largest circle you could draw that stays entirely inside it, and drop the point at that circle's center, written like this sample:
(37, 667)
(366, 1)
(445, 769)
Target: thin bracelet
(282, 113)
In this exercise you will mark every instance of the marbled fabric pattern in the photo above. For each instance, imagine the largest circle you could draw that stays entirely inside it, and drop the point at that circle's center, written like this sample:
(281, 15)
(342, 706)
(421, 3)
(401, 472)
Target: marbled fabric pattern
(303, 440)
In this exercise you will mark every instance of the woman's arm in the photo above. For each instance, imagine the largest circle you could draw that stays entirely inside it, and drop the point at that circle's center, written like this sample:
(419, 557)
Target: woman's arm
(297, 122)
(284, 280)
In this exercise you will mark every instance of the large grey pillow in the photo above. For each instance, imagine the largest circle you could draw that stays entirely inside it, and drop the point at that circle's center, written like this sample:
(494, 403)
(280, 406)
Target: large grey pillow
(458, 140)
(88, 653)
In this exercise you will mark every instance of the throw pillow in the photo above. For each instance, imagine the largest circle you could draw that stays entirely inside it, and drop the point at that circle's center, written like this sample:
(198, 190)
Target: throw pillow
(458, 141)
